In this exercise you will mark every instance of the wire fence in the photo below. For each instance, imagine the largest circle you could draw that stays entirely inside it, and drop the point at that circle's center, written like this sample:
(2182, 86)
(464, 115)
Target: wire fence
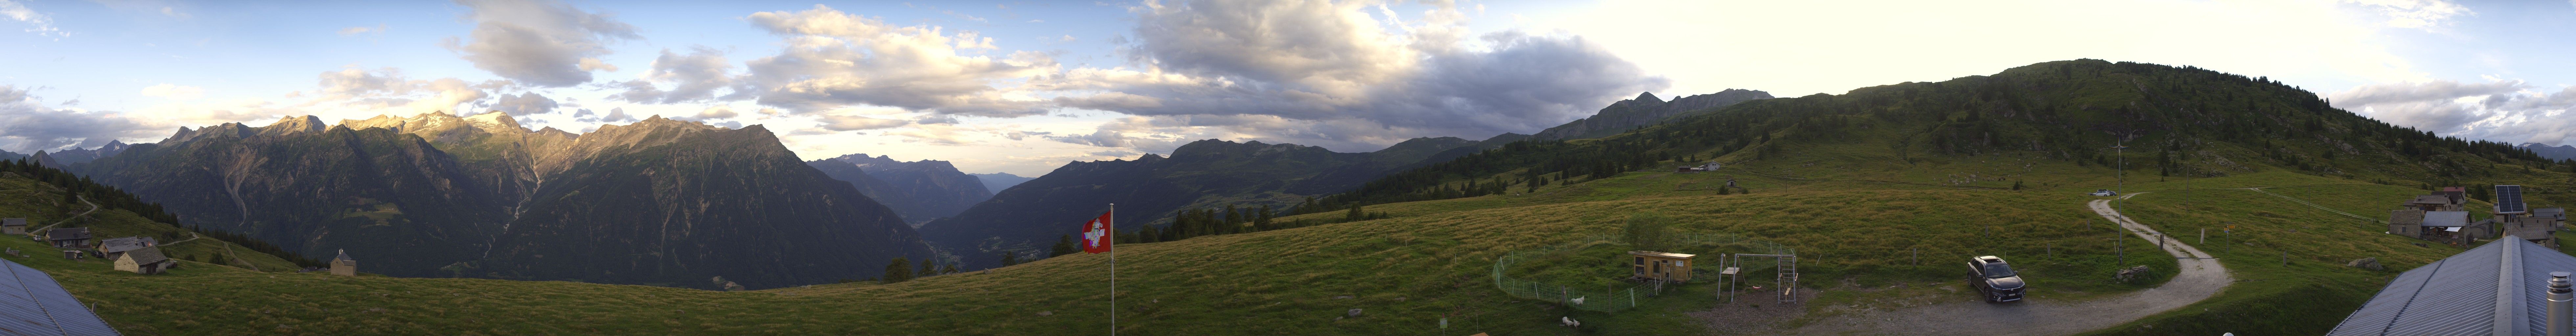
(1608, 299)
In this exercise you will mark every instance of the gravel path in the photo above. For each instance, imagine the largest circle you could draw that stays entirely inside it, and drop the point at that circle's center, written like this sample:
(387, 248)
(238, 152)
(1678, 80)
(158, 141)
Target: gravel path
(2200, 278)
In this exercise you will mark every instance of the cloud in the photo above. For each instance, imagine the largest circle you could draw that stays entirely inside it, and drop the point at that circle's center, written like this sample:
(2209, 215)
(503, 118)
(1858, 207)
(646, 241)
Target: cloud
(694, 77)
(387, 88)
(354, 31)
(835, 59)
(1332, 75)
(27, 125)
(615, 115)
(40, 23)
(854, 123)
(525, 103)
(2418, 14)
(174, 92)
(2500, 110)
(539, 42)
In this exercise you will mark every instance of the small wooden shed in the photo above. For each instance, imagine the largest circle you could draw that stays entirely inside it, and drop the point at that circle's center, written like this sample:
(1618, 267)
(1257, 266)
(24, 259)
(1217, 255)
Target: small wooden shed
(1651, 265)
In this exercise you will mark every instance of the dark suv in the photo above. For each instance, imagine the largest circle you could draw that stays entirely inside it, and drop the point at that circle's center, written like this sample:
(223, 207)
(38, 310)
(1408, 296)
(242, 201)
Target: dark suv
(1994, 280)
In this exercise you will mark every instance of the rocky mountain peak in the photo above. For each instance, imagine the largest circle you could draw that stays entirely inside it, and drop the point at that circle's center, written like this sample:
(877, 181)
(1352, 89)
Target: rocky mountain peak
(292, 125)
(496, 122)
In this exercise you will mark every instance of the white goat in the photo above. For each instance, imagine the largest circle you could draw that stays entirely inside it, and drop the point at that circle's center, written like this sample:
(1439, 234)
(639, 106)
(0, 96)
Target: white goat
(1569, 322)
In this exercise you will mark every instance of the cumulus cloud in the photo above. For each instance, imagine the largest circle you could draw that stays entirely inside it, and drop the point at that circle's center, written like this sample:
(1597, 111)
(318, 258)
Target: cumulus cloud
(693, 77)
(539, 42)
(836, 59)
(177, 92)
(524, 103)
(388, 88)
(1330, 74)
(712, 112)
(37, 22)
(615, 115)
(2501, 110)
(27, 125)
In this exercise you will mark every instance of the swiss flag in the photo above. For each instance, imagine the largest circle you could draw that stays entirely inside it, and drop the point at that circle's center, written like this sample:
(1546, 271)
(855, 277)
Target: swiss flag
(1096, 235)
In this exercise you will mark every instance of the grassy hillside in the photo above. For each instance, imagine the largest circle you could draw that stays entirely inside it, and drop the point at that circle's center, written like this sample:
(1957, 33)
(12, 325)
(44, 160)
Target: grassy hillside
(24, 198)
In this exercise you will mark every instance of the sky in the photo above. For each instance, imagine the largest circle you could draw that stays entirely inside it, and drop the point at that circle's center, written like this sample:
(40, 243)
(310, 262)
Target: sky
(1024, 87)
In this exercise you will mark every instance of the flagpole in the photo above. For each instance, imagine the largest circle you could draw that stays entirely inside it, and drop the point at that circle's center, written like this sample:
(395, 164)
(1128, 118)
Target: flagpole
(1113, 268)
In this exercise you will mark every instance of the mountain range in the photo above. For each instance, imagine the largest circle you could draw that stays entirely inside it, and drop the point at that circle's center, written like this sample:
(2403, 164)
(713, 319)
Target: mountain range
(1630, 114)
(660, 201)
(996, 182)
(918, 190)
(2560, 152)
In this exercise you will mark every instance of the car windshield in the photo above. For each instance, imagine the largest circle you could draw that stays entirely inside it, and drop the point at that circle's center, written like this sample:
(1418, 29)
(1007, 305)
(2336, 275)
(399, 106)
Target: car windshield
(1998, 271)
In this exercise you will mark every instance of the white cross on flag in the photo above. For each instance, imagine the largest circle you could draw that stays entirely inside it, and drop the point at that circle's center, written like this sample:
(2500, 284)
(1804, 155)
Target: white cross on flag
(1096, 236)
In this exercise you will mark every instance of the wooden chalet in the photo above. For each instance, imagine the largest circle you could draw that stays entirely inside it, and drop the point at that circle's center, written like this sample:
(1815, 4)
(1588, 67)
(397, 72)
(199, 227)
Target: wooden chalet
(1651, 265)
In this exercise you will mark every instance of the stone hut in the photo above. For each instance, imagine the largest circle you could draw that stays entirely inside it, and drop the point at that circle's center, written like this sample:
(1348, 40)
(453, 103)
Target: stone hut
(15, 226)
(68, 237)
(146, 260)
(343, 266)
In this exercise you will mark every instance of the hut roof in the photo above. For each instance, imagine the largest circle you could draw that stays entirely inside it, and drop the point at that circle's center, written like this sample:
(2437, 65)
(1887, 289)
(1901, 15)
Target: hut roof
(344, 255)
(2446, 218)
(146, 255)
(2551, 213)
(2494, 286)
(13, 222)
(114, 245)
(2430, 199)
(67, 234)
(2406, 217)
(1662, 254)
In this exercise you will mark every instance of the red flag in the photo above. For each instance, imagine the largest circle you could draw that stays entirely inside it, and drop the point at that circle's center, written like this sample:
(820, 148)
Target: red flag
(1097, 236)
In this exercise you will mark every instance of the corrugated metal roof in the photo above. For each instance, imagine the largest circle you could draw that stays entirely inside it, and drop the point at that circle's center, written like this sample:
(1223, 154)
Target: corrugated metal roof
(1662, 254)
(2446, 218)
(2461, 295)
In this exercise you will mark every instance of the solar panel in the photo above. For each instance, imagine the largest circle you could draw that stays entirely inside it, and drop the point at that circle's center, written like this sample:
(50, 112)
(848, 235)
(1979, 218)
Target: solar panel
(2509, 199)
(31, 303)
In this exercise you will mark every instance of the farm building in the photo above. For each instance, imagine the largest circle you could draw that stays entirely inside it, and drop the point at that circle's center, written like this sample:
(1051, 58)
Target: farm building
(36, 305)
(68, 237)
(1651, 265)
(15, 226)
(2533, 227)
(2433, 203)
(145, 260)
(116, 246)
(2494, 289)
(344, 266)
(2409, 223)
(2458, 195)
(2453, 226)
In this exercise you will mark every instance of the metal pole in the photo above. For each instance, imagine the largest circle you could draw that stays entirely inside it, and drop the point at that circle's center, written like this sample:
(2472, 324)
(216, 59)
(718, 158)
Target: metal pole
(2204, 235)
(1113, 268)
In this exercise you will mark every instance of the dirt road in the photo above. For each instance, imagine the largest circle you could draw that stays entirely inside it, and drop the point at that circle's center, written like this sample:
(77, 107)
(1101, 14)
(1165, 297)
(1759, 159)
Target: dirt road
(2200, 278)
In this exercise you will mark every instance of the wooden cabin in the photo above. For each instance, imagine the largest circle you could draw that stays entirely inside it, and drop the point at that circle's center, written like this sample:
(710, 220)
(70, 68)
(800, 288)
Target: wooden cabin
(15, 226)
(113, 247)
(1651, 265)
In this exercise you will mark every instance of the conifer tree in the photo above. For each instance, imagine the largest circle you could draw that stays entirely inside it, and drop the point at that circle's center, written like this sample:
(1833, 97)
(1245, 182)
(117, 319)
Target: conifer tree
(899, 270)
(1063, 246)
